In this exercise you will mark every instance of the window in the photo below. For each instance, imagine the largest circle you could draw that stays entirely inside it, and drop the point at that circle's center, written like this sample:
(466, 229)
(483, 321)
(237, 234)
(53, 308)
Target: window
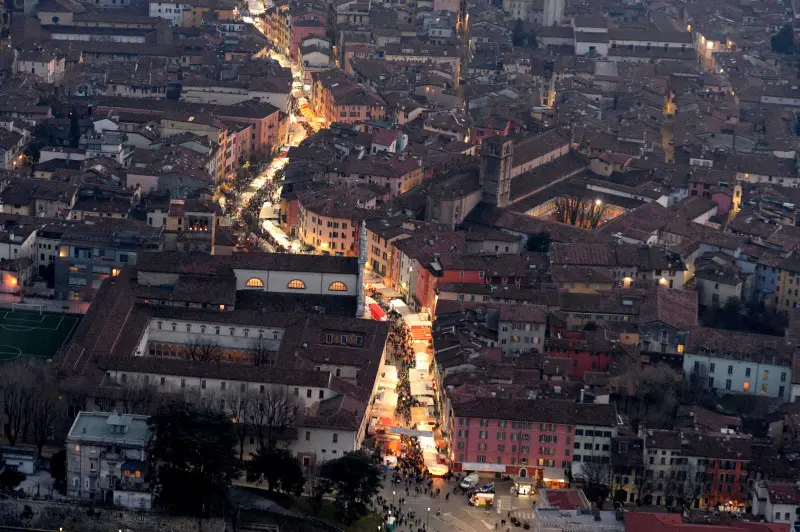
(255, 282)
(746, 386)
(766, 375)
(308, 435)
(296, 284)
(308, 393)
(337, 286)
(747, 372)
(335, 438)
(763, 389)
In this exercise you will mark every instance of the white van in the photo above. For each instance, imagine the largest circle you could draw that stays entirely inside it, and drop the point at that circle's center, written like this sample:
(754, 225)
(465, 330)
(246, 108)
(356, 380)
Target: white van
(470, 481)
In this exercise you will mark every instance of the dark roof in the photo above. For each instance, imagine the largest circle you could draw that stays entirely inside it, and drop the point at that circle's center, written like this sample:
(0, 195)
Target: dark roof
(538, 411)
(295, 262)
(739, 346)
(226, 371)
(676, 308)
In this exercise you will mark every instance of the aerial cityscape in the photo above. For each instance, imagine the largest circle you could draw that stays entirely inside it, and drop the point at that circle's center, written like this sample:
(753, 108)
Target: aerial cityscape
(399, 265)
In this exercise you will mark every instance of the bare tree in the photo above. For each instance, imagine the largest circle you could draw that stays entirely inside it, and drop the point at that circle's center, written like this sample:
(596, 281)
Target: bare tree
(260, 353)
(138, 398)
(47, 408)
(578, 211)
(272, 412)
(18, 388)
(597, 476)
(238, 402)
(202, 350)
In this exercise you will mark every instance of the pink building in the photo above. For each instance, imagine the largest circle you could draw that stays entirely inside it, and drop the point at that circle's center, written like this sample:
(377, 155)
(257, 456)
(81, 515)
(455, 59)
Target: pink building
(302, 29)
(529, 438)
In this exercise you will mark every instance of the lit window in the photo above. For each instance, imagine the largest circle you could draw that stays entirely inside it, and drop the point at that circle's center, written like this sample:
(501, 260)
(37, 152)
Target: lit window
(296, 284)
(747, 386)
(255, 282)
(337, 287)
(680, 349)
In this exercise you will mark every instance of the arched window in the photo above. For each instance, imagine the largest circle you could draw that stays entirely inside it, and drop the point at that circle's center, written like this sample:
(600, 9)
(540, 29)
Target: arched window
(254, 282)
(296, 284)
(337, 286)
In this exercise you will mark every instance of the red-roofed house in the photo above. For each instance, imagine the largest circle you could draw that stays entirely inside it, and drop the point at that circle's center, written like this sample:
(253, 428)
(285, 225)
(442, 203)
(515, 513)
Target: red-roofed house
(777, 503)
(588, 351)
(658, 522)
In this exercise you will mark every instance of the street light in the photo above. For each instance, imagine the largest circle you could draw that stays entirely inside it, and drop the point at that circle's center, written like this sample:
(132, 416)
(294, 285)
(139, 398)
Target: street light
(393, 494)
(428, 520)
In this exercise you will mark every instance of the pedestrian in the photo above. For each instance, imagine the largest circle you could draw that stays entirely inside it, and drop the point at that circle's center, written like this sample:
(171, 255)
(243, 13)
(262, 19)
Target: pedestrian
(447, 496)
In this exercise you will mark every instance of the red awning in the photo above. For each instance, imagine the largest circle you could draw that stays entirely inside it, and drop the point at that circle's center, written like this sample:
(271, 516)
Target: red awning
(377, 312)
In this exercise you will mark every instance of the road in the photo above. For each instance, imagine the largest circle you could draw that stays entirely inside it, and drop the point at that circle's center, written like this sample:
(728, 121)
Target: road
(456, 513)
(297, 133)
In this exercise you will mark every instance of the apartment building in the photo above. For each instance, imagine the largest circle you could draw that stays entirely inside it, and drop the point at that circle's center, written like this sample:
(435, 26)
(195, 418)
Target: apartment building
(107, 459)
(730, 361)
(529, 438)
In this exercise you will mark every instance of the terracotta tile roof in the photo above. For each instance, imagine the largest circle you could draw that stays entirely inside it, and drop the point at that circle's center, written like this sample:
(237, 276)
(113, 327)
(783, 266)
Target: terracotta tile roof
(676, 308)
(739, 346)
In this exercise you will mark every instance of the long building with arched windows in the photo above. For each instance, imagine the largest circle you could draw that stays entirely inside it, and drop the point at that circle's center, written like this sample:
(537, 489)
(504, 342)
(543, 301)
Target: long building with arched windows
(218, 328)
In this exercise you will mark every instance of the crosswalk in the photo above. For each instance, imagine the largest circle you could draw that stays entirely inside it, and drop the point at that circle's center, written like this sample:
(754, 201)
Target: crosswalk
(504, 503)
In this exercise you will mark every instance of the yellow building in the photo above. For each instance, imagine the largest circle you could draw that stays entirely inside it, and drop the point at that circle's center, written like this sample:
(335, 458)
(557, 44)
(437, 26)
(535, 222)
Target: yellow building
(382, 233)
(328, 220)
(787, 292)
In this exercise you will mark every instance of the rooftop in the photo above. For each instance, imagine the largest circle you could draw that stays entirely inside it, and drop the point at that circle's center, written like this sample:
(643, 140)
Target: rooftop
(109, 427)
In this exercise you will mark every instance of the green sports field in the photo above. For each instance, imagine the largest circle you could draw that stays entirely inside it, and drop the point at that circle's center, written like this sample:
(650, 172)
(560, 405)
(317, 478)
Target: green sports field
(30, 333)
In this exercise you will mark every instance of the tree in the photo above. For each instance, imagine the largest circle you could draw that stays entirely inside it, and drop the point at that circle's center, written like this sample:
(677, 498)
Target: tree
(138, 398)
(783, 41)
(33, 151)
(318, 487)
(74, 130)
(10, 479)
(271, 413)
(521, 37)
(238, 402)
(539, 242)
(58, 468)
(202, 350)
(355, 479)
(278, 468)
(260, 353)
(598, 479)
(193, 454)
(18, 391)
(579, 211)
(46, 408)
(731, 314)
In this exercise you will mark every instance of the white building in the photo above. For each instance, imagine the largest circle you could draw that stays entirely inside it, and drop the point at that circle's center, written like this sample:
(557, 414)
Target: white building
(553, 13)
(592, 444)
(776, 503)
(737, 362)
(47, 67)
(107, 458)
(170, 11)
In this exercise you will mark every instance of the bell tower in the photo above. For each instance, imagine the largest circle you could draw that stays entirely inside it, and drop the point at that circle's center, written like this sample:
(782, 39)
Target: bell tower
(497, 158)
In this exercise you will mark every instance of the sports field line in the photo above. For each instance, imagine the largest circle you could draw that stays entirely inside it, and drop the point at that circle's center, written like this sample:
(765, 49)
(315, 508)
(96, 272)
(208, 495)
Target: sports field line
(6, 317)
(34, 327)
(5, 350)
(18, 328)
